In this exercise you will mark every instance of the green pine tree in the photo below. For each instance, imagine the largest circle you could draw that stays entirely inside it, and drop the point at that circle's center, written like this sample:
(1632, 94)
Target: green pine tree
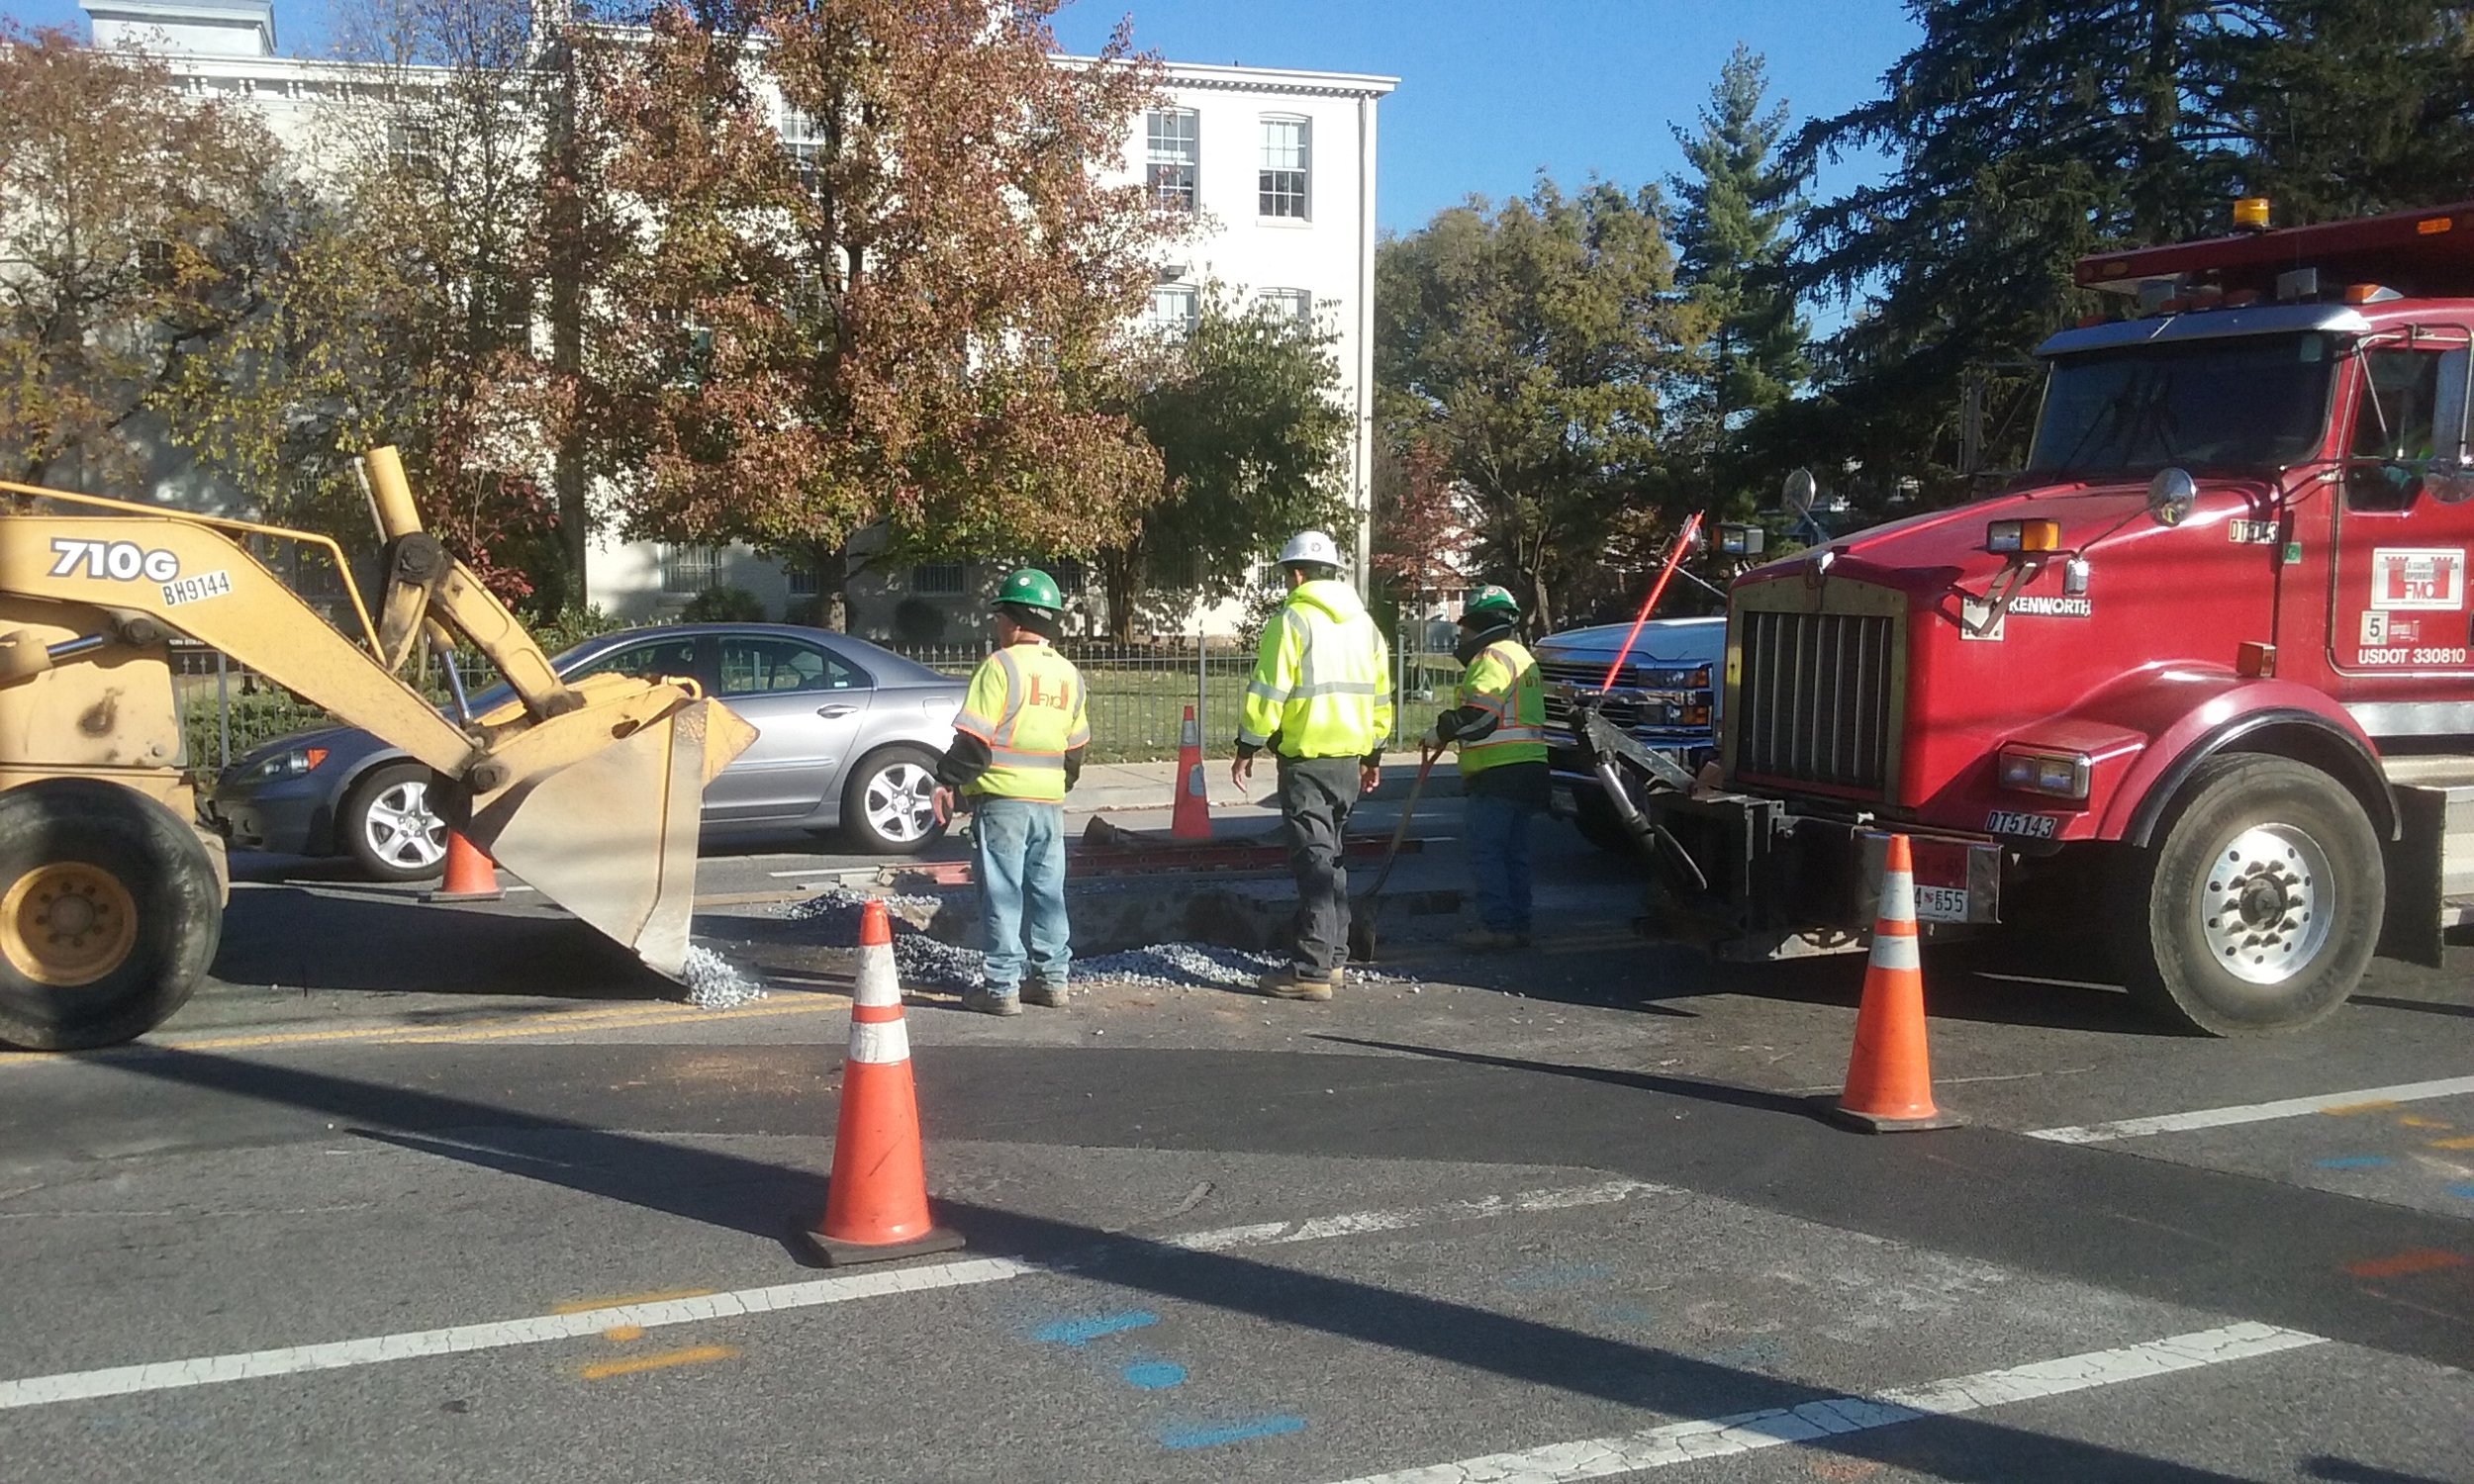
(1729, 241)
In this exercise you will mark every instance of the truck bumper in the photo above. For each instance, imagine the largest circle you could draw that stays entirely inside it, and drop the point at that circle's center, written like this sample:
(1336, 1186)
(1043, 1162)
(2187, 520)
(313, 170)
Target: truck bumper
(1780, 884)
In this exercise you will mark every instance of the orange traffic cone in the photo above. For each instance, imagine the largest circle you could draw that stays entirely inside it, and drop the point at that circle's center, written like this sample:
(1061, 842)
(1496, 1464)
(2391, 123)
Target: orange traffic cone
(1193, 819)
(1890, 1076)
(469, 874)
(877, 1206)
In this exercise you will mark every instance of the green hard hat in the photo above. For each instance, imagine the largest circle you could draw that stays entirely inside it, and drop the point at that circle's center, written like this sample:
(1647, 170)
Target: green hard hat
(1030, 588)
(1490, 602)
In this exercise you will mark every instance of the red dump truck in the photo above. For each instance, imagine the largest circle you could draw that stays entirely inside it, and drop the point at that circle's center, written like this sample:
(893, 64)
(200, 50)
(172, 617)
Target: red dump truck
(2202, 675)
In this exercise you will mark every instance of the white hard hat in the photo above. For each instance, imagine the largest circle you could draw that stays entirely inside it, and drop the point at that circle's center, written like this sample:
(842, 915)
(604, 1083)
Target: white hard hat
(1309, 546)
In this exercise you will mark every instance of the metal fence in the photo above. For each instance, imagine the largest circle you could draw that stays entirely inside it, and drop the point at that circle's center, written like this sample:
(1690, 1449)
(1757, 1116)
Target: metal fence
(1139, 693)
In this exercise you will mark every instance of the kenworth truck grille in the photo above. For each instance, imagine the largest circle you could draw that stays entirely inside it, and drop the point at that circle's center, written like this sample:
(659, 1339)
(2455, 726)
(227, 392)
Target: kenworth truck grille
(1817, 699)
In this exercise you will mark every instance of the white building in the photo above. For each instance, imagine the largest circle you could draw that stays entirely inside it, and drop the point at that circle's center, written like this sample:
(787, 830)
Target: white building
(1276, 165)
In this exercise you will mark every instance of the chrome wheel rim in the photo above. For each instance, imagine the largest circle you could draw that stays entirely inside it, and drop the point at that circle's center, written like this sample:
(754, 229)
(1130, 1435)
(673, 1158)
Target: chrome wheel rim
(401, 830)
(2265, 909)
(899, 803)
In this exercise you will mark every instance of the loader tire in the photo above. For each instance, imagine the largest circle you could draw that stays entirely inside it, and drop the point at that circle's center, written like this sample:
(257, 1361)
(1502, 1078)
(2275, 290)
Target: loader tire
(109, 914)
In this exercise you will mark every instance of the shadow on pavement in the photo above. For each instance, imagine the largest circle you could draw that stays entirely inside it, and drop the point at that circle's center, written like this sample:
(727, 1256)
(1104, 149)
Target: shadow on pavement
(397, 943)
(767, 1200)
(1688, 1087)
(2346, 1471)
(2419, 1006)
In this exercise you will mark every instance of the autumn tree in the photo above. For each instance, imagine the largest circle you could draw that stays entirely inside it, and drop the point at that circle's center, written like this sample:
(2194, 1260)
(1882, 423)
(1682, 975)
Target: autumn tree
(874, 272)
(1531, 343)
(138, 229)
(1252, 442)
(1422, 544)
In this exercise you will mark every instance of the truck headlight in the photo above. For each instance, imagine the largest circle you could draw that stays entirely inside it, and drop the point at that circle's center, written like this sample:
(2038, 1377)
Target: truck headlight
(2057, 775)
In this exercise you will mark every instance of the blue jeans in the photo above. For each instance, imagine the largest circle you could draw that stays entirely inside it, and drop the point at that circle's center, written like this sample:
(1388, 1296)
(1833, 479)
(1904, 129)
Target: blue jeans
(1496, 833)
(1017, 854)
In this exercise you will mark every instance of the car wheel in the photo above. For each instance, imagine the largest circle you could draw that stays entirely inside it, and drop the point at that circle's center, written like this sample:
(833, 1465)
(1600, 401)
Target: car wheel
(110, 913)
(389, 828)
(887, 807)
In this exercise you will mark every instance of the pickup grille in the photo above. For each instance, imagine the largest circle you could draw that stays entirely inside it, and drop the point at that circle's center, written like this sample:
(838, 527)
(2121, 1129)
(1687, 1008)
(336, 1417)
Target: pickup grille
(1814, 702)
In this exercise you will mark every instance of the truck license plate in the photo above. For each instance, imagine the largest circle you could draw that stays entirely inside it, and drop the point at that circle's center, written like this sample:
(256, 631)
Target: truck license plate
(1940, 903)
(1563, 804)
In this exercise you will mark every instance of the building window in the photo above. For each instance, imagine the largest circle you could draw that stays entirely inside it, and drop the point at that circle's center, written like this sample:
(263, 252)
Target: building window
(1288, 151)
(1069, 575)
(690, 568)
(801, 575)
(1174, 306)
(807, 146)
(941, 580)
(1173, 155)
(1289, 303)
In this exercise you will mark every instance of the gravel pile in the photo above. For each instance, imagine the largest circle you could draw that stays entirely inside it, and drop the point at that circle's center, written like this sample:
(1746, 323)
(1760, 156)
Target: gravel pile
(930, 964)
(713, 982)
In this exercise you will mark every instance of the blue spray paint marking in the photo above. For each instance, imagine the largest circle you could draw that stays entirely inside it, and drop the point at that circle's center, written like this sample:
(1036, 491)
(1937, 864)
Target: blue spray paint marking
(2352, 1161)
(1236, 1432)
(1572, 1276)
(1155, 1375)
(1627, 1313)
(2466, 1191)
(1081, 1332)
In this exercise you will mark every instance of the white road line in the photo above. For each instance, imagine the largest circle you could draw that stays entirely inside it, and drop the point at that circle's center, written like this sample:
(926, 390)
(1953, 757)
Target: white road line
(1748, 1431)
(2216, 1118)
(248, 1366)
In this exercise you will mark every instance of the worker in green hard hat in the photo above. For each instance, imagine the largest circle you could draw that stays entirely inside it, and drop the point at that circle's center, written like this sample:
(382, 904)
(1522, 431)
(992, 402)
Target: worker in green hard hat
(1497, 723)
(1017, 748)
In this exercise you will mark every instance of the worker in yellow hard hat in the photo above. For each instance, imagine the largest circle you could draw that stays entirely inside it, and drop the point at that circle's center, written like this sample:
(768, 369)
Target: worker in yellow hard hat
(1319, 703)
(1017, 748)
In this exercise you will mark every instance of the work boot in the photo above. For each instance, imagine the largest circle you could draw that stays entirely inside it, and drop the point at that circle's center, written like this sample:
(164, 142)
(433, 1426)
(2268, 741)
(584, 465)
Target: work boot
(1486, 940)
(1293, 982)
(1045, 993)
(987, 1001)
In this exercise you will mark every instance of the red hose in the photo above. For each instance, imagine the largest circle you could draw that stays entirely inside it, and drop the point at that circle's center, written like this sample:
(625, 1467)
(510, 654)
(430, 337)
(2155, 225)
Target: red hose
(1683, 543)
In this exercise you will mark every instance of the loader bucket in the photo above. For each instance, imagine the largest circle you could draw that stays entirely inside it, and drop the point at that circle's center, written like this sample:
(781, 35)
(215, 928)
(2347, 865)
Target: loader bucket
(611, 836)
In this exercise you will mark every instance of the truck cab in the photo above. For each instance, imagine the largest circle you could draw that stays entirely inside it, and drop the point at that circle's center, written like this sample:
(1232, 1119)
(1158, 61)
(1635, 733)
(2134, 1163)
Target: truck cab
(2205, 666)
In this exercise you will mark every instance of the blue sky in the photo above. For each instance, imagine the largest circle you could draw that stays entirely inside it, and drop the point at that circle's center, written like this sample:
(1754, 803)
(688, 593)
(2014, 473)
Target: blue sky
(1490, 90)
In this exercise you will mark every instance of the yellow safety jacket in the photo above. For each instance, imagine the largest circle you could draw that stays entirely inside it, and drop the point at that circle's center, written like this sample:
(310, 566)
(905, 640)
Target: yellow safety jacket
(1026, 703)
(1502, 685)
(1321, 678)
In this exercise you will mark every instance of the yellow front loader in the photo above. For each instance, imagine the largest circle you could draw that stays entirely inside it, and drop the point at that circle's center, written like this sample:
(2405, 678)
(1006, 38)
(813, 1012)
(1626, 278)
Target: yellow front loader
(111, 900)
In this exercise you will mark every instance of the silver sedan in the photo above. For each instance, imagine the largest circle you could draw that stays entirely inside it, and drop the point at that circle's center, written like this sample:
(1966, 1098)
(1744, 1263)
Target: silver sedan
(847, 739)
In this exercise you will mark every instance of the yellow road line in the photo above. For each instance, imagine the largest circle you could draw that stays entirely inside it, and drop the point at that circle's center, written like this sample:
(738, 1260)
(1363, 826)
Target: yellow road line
(2412, 1122)
(696, 1355)
(623, 1333)
(2347, 1110)
(588, 1305)
(2452, 1144)
(545, 1023)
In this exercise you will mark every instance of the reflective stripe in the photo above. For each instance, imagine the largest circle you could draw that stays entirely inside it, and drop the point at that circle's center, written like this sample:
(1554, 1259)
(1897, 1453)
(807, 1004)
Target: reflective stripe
(1012, 718)
(1895, 951)
(1251, 739)
(1022, 757)
(1510, 734)
(879, 1044)
(878, 985)
(1898, 900)
(1265, 690)
(1314, 689)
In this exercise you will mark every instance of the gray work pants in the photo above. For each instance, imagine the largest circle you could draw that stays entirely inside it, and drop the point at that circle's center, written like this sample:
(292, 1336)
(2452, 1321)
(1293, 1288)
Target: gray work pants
(1315, 797)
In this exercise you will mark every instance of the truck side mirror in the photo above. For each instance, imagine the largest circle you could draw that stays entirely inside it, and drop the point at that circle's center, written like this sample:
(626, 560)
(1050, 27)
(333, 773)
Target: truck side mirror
(2450, 476)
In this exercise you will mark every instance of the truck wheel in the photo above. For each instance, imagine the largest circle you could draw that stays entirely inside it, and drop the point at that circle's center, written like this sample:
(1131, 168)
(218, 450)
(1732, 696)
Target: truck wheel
(2258, 910)
(109, 914)
(390, 828)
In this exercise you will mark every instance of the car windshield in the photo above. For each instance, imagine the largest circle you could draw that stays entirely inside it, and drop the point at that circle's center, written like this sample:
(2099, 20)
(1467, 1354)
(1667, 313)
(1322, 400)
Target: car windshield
(2260, 401)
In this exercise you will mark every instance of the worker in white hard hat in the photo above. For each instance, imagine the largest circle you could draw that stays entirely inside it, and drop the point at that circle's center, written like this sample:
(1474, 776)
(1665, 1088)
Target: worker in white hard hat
(1321, 704)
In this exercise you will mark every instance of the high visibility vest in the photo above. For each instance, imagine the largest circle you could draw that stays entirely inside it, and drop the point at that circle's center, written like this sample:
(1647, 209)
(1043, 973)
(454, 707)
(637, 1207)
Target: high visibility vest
(1026, 703)
(1322, 677)
(1504, 683)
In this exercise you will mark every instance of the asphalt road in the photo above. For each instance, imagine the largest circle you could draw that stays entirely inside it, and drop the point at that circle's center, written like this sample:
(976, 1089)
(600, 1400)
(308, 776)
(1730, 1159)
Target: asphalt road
(454, 1193)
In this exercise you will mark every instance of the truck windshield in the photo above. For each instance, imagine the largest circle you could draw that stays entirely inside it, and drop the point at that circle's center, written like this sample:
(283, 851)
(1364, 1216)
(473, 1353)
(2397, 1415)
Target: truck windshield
(2254, 402)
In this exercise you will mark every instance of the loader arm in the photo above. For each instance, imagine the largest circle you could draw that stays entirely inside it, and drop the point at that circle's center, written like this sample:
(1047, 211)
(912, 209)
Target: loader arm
(591, 793)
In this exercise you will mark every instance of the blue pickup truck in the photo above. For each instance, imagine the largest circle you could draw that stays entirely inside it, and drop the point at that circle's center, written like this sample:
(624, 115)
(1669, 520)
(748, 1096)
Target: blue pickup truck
(1667, 694)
